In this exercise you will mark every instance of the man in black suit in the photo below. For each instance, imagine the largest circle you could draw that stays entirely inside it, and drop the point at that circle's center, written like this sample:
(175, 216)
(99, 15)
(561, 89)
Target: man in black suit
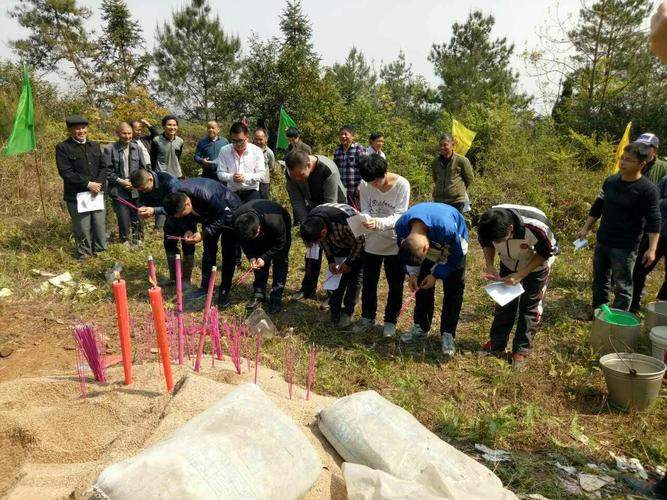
(81, 165)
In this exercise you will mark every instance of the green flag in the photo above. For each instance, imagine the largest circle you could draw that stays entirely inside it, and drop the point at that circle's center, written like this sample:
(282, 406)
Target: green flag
(22, 139)
(285, 123)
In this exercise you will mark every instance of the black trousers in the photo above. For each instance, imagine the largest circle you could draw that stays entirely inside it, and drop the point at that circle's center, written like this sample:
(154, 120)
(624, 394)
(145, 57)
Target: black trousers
(128, 218)
(639, 273)
(178, 227)
(280, 263)
(452, 300)
(344, 299)
(395, 275)
(311, 276)
(247, 195)
(529, 306)
(210, 257)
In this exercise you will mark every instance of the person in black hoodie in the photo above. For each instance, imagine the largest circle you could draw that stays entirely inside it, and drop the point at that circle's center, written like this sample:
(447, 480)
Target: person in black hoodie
(81, 166)
(211, 204)
(263, 229)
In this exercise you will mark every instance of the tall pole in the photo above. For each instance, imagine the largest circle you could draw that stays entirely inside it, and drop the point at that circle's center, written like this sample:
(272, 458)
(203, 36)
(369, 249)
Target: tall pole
(39, 183)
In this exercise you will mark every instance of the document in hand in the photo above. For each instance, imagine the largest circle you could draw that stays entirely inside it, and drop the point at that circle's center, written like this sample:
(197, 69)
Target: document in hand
(89, 202)
(503, 294)
(313, 251)
(356, 225)
(331, 280)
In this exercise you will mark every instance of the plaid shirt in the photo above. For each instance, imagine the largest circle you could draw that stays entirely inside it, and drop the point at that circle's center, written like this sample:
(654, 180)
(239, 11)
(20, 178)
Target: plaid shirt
(339, 240)
(348, 166)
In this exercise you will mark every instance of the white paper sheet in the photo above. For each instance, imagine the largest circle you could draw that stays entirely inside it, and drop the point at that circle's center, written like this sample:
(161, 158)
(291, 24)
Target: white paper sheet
(503, 294)
(356, 225)
(313, 252)
(580, 243)
(89, 202)
(334, 282)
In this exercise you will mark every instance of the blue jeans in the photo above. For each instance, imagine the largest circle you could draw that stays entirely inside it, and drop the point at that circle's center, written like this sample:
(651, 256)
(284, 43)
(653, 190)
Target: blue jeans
(613, 265)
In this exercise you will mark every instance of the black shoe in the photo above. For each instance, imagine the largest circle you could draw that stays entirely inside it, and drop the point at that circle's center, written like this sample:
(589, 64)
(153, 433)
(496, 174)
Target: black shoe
(275, 308)
(224, 302)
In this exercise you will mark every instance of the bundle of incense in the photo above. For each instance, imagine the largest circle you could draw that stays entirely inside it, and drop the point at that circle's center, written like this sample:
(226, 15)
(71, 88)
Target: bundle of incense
(178, 238)
(406, 304)
(311, 371)
(81, 370)
(123, 201)
(91, 346)
(244, 277)
(258, 348)
(214, 330)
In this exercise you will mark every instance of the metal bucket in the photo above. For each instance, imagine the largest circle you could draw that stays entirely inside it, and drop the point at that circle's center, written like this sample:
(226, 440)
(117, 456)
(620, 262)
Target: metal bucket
(655, 314)
(633, 380)
(605, 335)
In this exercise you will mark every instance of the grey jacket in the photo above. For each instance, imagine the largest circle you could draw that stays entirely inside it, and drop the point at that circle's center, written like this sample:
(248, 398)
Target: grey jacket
(322, 186)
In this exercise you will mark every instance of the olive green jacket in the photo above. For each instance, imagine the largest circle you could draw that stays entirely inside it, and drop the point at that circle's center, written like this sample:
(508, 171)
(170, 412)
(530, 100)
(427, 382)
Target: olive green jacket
(657, 171)
(451, 178)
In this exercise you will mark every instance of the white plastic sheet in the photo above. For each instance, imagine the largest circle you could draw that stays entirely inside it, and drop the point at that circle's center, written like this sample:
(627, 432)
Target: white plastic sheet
(241, 447)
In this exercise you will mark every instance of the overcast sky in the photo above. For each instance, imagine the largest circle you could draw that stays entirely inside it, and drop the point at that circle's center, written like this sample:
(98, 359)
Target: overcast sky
(379, 28)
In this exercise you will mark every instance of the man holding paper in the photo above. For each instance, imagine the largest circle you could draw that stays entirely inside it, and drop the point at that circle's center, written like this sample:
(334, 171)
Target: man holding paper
(81, 166)
(433, 243)
(327, 226)
(523, 239)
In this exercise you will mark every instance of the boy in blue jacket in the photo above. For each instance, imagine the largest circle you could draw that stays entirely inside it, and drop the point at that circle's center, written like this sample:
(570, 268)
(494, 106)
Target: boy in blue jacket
(433, 243)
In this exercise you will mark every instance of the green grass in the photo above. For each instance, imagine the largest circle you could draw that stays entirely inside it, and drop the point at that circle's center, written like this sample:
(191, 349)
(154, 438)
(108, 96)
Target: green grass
(555, 409)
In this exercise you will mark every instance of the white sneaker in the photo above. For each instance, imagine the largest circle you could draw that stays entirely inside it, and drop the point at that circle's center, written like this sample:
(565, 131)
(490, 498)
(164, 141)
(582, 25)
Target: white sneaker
(363, 324)
(448, 344)
(389, 330)
(344, 321)
(414, 334)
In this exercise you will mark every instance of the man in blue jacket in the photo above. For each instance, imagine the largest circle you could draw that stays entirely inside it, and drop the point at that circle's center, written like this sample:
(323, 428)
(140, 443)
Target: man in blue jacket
(433, 243)
(211, 204)
(208, 150)
(153, 187)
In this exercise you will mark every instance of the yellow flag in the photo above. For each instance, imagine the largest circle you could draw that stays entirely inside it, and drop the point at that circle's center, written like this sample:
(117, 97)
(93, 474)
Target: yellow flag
(463, 137)
(625, 140)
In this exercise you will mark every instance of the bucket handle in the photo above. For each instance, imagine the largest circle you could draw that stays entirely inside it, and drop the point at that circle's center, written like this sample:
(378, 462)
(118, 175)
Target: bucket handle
(632, 371)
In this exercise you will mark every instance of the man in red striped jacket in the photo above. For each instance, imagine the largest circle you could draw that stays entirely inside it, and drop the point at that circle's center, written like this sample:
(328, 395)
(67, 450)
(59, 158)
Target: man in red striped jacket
(527, 247)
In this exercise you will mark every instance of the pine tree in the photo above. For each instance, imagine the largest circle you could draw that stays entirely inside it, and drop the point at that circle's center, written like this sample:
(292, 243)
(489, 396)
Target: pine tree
(354, 77)
(474, 68)
(122, 61)
(57, 33)
(195, 60)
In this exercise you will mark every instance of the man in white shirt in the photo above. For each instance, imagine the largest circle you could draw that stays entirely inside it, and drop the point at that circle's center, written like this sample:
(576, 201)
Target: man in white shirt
(241, 164)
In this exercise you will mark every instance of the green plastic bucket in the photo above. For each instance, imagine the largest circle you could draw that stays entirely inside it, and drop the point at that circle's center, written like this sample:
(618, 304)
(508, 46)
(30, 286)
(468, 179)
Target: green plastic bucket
(620, 334)
(633, 380)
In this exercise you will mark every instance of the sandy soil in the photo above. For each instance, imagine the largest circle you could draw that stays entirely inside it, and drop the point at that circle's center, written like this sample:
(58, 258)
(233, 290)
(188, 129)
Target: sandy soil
(55, 443)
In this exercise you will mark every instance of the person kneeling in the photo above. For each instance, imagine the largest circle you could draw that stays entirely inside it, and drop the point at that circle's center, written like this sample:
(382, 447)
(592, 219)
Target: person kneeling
(527, 247)
(263, 229)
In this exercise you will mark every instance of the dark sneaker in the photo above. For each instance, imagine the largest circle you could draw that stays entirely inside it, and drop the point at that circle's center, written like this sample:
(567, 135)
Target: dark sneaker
(489, 349)
(223, 301)
(275, 308)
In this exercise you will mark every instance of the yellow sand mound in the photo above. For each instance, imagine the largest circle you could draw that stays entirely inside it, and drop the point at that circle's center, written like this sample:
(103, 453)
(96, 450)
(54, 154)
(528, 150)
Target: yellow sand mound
(55, 444)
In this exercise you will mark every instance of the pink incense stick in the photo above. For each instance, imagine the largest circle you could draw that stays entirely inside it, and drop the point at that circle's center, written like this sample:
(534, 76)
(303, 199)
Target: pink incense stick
(258, 348)
(81, 370)
(246, 341)
(151, 270)
(311, 371)
(92, 349)
(178, 238)
(244, 277)
(123, 201)
(407, 302)
(207, 306)
(179, 307)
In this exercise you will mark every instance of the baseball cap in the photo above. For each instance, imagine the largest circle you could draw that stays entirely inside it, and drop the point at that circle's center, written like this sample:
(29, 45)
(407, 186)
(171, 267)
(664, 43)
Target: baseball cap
(649, 140)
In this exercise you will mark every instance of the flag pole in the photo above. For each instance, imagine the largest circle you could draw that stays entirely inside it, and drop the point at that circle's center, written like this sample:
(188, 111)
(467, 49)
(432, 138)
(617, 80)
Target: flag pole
(39, 183)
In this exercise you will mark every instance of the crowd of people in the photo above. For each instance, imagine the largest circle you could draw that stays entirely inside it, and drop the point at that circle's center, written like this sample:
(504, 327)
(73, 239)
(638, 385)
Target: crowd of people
(229, 207)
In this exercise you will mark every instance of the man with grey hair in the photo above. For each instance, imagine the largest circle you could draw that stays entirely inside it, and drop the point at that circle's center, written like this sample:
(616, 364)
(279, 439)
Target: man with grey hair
(208, 150)
(122, 159)
(452, 175)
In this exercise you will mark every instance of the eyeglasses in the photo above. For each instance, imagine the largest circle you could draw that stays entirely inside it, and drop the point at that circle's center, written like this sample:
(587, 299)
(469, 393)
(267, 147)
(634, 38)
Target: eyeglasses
(239, 142)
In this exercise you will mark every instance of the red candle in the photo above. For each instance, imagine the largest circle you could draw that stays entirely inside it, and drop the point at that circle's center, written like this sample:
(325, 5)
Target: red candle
(123, 317)
(155, 297)
(152, 275)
